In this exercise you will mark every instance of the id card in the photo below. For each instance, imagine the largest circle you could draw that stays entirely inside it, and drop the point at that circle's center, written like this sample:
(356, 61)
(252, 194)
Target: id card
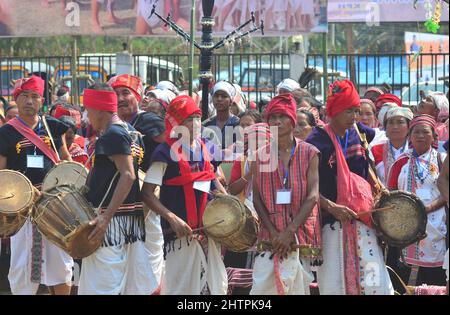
(284, 197)
(204, 186)
(35, 161)
(423, 194)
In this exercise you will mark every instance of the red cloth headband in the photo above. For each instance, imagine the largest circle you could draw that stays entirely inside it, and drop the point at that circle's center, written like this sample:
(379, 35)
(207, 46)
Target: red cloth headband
(178, 111)
(282, 104)
(387, 98)
(33, 83)
(100, 100)
(128, 81)
(342, 95)
(423, 120)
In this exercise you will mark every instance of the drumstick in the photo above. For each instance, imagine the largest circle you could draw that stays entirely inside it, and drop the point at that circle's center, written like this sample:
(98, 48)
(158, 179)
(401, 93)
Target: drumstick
(169, 230)
(208, 226)
(391, 207)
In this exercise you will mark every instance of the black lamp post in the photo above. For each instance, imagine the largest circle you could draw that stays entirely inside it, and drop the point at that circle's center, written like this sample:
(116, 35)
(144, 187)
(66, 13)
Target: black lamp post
(207, 45)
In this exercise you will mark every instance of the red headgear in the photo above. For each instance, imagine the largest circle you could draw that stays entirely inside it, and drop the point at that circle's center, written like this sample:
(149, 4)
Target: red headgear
(178, 111)
(387, 98)
(128, 81)
(33, 83)
(342, 95)
(64, 111)
(282, 104)
(100, 100)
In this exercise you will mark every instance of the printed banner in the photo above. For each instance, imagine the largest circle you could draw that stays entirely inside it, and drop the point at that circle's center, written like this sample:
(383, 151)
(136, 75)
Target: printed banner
(133, 17)
(374, 12)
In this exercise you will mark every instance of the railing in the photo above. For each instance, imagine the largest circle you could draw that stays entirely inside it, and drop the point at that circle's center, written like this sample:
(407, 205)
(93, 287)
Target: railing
(257, 74)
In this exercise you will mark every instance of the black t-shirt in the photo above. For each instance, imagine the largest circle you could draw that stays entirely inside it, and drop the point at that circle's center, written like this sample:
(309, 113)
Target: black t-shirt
(16, 148)
(115, 141)
(149, 125)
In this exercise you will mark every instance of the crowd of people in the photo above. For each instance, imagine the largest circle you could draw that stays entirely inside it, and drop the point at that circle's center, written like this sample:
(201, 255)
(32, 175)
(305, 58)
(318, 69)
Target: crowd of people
(303, 168)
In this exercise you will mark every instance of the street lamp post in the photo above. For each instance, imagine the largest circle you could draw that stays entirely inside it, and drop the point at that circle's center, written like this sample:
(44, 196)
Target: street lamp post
(207, 45)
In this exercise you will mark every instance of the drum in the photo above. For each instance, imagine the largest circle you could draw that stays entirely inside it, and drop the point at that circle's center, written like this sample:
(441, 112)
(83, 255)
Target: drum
(65, 173)
(231, 223)
(62, 215)
(17, 195)
(405, 223)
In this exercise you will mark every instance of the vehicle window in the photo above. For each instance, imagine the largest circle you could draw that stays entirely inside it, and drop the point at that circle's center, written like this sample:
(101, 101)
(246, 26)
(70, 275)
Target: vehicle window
(7, 76)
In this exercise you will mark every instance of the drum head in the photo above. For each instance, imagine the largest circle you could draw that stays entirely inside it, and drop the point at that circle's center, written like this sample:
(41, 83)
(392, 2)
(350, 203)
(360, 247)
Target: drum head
(16, 193)
(65, 173)
(403, 225)
(226, 208)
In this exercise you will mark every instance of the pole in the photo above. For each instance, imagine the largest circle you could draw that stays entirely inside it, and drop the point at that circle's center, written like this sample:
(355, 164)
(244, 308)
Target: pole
(191, 51)
(325, 66)
(206, 54)
(73, 71)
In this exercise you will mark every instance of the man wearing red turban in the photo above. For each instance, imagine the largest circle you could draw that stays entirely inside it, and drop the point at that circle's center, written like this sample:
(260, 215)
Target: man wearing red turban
(26, 147)
(129, 89)
(345, 195)
(34, 83)
(114, 191)
(184, 169)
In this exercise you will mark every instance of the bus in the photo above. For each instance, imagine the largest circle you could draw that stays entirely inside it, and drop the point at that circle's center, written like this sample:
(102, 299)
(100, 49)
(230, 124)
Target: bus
(14, 69)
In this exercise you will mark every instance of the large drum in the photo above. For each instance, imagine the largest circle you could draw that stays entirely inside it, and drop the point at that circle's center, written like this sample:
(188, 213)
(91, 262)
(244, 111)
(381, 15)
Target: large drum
(62, 215)
(231, 223)
(405, 223)
(65, 174)
(16, 200)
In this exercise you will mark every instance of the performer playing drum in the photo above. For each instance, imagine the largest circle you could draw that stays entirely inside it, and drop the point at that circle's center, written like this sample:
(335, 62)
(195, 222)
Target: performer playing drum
(285, 195)
(26, 146)
(193, 262)
(114, 189)
(352, 259)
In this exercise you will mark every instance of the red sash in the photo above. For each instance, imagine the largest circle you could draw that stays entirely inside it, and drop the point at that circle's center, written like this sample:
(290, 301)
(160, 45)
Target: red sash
(28, 133)
(187, 180)
(354, 192)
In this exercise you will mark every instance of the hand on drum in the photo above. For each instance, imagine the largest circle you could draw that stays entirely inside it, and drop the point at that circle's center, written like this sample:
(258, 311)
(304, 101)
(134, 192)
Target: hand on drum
(282, 243)
(101, 224)
(180, 227)
(342, 213)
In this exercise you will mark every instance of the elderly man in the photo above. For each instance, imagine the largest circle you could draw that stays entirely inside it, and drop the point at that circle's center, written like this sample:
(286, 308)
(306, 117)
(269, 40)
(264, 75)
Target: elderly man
(24, 148)
(128, 90)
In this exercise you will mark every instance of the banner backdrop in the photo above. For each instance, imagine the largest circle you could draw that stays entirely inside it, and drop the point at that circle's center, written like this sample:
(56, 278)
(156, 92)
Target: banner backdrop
(376, 11)
(132, 17)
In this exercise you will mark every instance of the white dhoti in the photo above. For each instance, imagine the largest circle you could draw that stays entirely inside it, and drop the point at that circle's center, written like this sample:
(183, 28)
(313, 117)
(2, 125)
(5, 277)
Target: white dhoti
(373, 275)
(56, 265)
(123, 269)
(275, 277)
(154, 243)
(188, 270)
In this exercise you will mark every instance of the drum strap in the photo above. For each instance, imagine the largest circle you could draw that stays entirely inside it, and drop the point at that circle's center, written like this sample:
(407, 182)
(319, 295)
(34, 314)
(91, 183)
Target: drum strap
(29, 134)
(413, 275)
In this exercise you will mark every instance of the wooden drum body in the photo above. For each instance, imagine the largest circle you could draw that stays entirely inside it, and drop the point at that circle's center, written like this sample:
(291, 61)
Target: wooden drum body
(62, 215)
